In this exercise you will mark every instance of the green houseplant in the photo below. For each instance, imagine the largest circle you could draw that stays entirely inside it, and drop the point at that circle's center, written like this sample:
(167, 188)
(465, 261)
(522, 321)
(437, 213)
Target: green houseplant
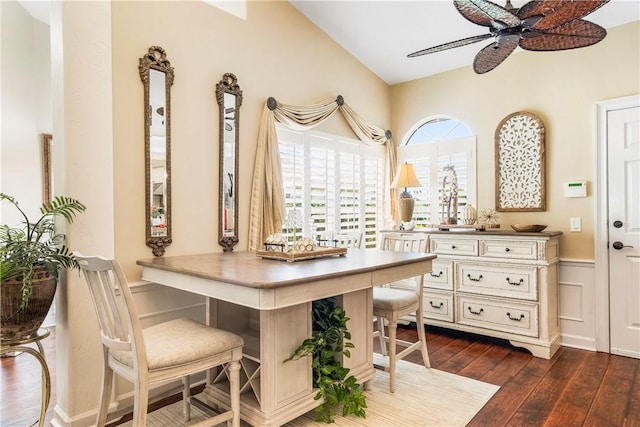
(329, 342)
(31, 257)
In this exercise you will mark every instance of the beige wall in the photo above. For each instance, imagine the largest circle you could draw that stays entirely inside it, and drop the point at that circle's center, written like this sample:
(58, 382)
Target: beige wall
(559, 87)
(275, 52)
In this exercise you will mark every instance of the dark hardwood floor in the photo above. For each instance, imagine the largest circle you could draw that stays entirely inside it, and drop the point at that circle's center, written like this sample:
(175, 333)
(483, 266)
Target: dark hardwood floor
(575, 388)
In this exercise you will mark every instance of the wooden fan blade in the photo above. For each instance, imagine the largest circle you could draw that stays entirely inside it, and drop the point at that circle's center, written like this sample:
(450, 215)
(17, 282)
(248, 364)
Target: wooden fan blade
(450, 45)
(557, 12)
(574, 34)
(493, 55)
(486, 13)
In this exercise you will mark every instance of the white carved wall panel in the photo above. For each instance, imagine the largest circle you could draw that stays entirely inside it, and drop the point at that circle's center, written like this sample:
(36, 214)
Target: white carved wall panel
(520, 163)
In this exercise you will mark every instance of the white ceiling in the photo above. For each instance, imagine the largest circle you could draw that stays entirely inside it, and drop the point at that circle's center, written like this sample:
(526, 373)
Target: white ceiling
(380, 34)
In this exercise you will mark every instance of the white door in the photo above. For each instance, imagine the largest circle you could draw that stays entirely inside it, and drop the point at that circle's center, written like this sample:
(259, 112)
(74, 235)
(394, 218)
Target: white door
(623, 138)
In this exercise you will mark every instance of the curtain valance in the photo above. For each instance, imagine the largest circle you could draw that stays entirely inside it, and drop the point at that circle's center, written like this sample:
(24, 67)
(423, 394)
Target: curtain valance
(267, 194)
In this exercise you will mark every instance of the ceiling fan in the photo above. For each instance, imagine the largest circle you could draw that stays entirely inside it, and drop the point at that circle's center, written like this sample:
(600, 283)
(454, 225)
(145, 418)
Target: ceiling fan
(539, 25)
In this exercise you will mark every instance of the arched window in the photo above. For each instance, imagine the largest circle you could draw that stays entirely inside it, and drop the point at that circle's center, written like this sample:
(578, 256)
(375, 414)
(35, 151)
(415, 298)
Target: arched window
(442, 150)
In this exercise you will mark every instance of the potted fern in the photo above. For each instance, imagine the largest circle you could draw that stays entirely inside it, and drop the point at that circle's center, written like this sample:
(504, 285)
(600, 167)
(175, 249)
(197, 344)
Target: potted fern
(31, 258)
(329, 343)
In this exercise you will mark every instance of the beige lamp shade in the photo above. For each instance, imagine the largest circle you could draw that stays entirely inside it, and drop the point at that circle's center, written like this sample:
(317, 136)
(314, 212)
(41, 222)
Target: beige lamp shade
(406, 177)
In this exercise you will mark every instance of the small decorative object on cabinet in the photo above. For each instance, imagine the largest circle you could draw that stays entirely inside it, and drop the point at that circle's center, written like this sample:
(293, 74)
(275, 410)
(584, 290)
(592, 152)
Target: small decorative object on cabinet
(528, 228)
(469, 214)
(449, 197)
(489, 217)
(501, 284)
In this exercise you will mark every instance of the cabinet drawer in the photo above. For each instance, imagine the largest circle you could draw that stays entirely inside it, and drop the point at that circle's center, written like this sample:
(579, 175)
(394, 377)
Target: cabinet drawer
(510, 249)
(501, 315)
(453, 246)
(498, 280)
(441, 276)
(438, 305)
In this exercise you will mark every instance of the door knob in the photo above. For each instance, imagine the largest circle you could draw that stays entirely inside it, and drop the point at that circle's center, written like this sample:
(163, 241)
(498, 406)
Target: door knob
(617, 224)
(620, 245)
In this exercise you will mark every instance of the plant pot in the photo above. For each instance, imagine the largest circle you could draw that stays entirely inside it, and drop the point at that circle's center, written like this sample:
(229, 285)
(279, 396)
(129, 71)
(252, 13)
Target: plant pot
(16, 324)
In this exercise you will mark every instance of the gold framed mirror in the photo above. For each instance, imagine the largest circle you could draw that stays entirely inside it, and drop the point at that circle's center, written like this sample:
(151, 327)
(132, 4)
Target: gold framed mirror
(229, 97)
(520, 163)
(157, 76)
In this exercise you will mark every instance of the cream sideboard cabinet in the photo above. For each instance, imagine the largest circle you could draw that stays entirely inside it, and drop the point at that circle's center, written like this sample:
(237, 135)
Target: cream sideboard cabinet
(496, 283)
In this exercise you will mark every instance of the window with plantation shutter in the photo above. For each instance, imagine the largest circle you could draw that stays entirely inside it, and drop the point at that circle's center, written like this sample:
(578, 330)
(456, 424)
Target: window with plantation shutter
(434, 144)
(334, 184)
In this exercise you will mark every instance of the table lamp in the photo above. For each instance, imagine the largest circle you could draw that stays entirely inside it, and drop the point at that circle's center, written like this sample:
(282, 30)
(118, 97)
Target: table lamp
(406, 177)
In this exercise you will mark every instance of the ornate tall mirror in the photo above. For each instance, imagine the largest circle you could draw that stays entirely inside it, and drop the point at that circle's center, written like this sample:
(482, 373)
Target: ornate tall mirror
(229, 97)
(157, 77)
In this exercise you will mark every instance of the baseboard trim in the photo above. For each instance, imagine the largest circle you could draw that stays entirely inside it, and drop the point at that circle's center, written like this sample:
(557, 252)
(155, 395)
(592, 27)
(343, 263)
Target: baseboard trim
(579, 342)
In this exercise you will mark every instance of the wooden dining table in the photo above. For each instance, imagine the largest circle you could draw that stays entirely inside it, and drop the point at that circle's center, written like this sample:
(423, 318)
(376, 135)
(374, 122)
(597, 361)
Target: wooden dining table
(268, 303)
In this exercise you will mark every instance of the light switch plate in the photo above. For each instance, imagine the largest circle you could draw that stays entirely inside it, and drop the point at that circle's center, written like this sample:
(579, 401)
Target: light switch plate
(576, 224)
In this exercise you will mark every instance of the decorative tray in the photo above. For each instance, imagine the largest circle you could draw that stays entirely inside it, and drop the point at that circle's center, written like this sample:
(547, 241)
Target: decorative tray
(528, 228)
(294, 255)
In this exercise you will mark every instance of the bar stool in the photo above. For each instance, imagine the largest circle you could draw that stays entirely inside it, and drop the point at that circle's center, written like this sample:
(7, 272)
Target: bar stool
(162, 352)
(394, 301)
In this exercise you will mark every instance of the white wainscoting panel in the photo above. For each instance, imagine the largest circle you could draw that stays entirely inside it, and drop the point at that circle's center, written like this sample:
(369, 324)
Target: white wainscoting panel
(156, 303)
(577, 304)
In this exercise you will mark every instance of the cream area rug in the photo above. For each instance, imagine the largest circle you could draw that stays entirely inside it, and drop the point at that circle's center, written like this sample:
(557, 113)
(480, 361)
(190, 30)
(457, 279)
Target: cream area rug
(423, 397)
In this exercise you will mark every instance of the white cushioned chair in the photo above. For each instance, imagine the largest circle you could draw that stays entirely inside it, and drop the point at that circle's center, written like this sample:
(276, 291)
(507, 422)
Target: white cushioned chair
(162, 352)
(391, 303)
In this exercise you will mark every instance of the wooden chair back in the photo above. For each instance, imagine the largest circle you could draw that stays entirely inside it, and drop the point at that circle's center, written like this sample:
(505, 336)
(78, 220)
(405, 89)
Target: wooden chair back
(343, 240)
(114, 306)
(404, 242)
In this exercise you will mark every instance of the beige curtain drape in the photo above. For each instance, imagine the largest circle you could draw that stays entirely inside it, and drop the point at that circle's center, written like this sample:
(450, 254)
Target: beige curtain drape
(267, 193)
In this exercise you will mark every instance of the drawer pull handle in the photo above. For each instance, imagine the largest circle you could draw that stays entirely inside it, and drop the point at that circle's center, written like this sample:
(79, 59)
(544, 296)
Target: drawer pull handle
(475, 312)
(515, 283)
(453, 246)
(436, 306)
(507, 249)
(474, 279)
(516, 319)
(432, 274)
